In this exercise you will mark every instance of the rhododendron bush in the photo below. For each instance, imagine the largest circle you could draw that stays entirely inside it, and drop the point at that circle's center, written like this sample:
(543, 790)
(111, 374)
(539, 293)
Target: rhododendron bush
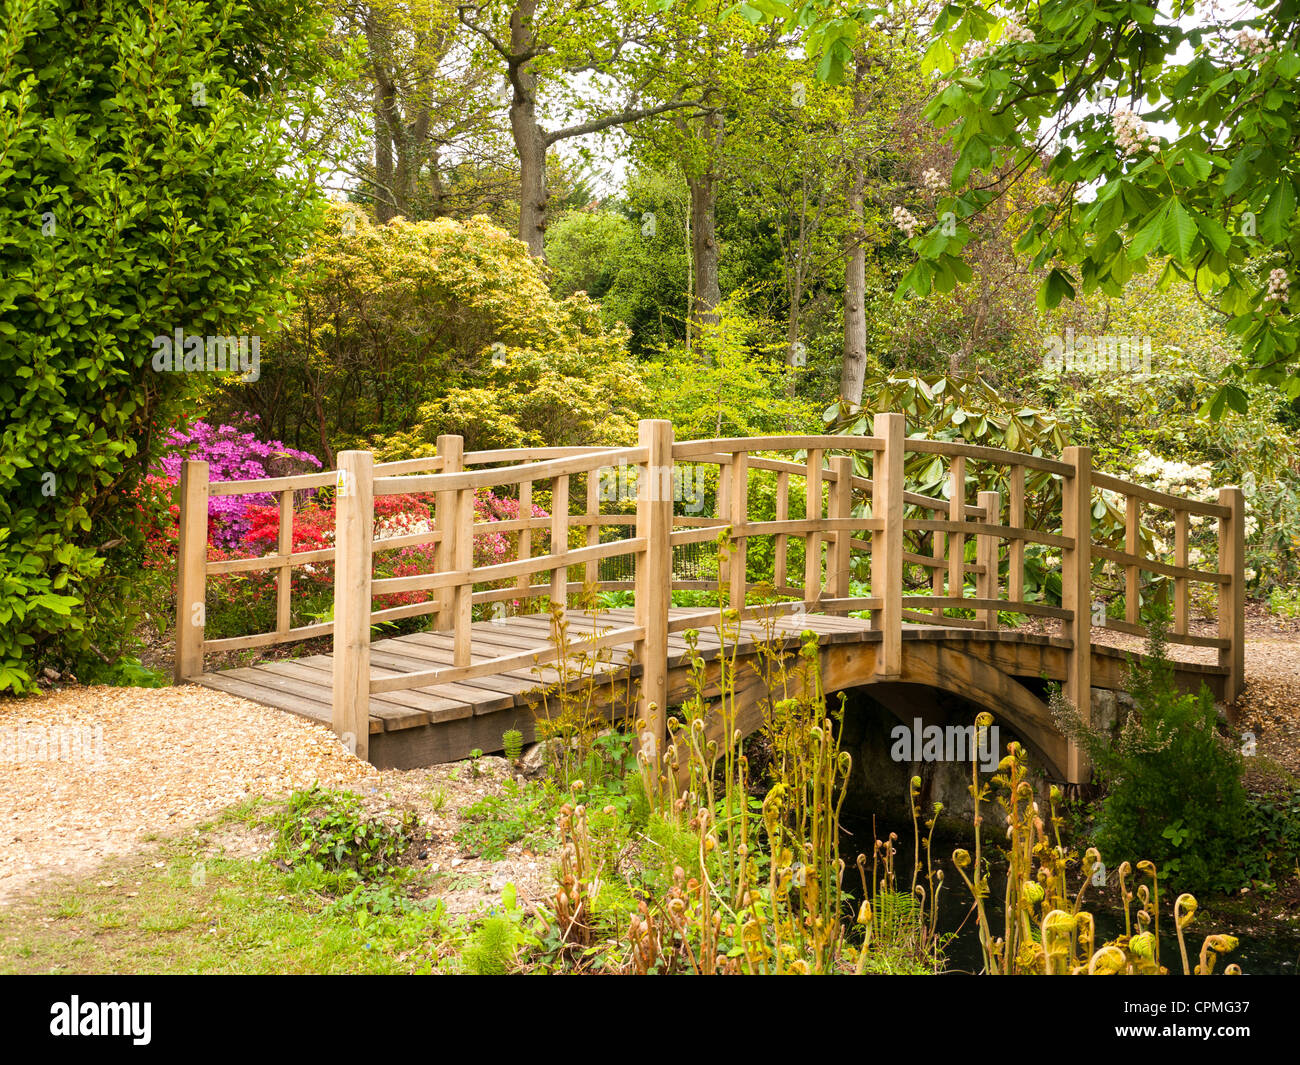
(248, 526)
(233, 453)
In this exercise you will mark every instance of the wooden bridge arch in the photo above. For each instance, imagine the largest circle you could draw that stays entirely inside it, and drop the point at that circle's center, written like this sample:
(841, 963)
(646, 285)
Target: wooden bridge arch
(434, 696)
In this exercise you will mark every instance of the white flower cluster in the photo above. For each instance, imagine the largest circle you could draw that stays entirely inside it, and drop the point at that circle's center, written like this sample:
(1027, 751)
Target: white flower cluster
(1252, 43)
(976, 50)
(933, 180)
(1131, 133)
(906, 221)
(1176, 478)
(1018, 33)
(396, 525)
(1278, 285)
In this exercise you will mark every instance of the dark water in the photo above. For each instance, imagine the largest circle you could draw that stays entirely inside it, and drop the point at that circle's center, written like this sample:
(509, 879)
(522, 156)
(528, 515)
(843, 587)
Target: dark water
(1258, 953)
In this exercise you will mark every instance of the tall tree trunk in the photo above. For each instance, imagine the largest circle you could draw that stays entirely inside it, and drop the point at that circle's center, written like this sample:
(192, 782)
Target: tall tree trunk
(704, 249)
(529, 137)
(383, 153)
(853, 369)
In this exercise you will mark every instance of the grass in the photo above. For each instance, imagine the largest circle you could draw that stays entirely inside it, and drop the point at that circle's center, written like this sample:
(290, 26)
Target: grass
(153, 914)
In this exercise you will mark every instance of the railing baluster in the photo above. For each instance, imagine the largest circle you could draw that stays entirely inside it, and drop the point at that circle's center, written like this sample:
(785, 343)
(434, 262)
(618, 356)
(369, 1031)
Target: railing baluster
(781, 545)
(452, 451)
(191, 570)
(1181, 521)
(841, 506)
(560, 539)
(1132, 572)
(284, 575)
(524, 581)
(956, 541)
(1016, 548)
(738, 519)
(592, 572)
(1232, 596)
(812, 545)
(354, 533)
(986, 556)
(462, 560)
(1076, 596)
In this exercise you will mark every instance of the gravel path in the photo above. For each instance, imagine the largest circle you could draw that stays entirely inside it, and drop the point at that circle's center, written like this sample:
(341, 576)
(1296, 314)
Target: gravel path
(89, 773)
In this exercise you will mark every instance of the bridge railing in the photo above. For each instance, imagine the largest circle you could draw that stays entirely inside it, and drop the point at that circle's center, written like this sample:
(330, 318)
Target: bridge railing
(828, 507)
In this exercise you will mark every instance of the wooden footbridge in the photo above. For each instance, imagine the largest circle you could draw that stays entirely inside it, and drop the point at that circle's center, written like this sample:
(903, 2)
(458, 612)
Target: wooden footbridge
(436, 695)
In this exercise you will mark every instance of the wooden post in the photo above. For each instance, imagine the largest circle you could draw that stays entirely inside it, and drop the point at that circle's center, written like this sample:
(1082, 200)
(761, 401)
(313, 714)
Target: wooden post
(812, 544)
(654, 524)
(284, 576)
(841, 506)
(1076, 596)
(887, 542)
(724, 515)
(738, 519)
(452, 451)
(1232, 597)
(986, 556)
(191, 571)
(354, 532)
(560, 539)
(1016, 548)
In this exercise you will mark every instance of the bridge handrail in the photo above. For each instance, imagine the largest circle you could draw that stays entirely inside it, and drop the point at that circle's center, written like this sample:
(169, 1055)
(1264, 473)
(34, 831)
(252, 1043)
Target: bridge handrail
(844, 514)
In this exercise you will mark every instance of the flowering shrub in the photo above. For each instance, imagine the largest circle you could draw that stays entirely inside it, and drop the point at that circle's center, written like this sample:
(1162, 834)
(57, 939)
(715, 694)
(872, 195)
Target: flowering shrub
(233, 453)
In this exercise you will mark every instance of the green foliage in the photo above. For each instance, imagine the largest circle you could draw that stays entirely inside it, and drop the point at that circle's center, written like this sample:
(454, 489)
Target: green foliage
(512, 742)
(491, 949)
(406, 331)
(1175, 795)
(521, 814)
(735, 382)
(1217, 203)
(330, 835)
(139, 194)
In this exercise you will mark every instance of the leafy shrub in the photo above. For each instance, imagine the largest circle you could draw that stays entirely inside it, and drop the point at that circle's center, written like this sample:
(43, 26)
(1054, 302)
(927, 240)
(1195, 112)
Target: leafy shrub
(1174, 795)
(133, 204)
(330, 833)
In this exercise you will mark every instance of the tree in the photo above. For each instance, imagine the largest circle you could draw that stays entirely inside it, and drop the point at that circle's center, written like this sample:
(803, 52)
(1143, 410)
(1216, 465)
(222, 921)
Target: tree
(568, 49)
(1168, 138)
(148, 185)
(429, 107)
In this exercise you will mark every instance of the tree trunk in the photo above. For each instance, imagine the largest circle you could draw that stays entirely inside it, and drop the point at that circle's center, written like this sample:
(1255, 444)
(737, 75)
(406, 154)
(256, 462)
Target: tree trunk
(853, 369)
(529, 137)
(383, 154)
(704, 249)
